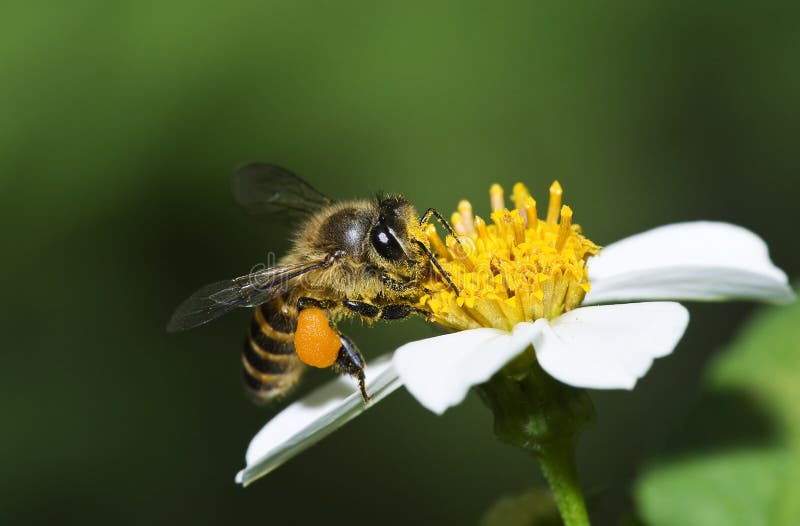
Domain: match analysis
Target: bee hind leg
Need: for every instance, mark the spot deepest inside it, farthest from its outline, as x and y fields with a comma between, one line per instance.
x=348, y=360
x=351, y=362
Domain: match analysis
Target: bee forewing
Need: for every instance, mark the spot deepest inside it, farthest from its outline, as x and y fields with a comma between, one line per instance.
x=207, y=304
x=216, y=299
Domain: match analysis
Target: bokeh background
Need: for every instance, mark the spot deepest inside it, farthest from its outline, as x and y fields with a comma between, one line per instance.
x=120, y=125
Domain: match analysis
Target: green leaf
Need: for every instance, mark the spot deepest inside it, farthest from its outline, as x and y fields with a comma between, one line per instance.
x=737, y=461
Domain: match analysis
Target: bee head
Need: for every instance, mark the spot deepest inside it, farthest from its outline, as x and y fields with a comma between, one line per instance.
x=390, y=237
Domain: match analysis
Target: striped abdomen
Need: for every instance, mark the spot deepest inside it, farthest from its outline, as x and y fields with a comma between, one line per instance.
x=271, y=366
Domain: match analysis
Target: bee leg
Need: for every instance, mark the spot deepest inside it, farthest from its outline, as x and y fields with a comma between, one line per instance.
x=306, y=302
x=396, y=311
x=362, y=308
x=433, y=212
x=348, y=360
x=438, y=265
x=351, y=362
x=396, y=285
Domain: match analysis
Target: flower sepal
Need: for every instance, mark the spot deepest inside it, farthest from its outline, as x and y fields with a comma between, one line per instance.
x=531, y=409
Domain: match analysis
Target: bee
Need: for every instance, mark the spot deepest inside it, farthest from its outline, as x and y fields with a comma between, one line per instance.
x=364, y=258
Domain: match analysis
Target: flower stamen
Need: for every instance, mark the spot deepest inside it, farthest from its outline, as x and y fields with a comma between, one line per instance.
x=436, y=242
x=458, y=224
x=531, y=216
x=496, y=196
x=554, y=206
x=520, y=196
x=519, y=268
x=465, y=210
x=565, y=227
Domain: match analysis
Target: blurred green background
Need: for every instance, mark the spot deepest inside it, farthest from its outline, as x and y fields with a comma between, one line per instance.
x=121, y=122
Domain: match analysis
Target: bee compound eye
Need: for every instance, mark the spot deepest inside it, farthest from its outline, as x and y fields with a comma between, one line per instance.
x=385, y=243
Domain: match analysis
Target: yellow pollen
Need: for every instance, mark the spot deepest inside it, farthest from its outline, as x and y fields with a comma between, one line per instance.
x=518, y=268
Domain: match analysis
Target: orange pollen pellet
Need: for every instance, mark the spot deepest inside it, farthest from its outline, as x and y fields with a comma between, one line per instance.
x=315, y=342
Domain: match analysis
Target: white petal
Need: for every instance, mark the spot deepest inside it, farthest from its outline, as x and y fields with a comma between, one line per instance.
x=687, y=261
x=439, y=371
x=307, y=421
x=608, y=346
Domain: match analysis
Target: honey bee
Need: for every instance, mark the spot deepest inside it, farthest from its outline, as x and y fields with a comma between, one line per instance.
x=362, y=258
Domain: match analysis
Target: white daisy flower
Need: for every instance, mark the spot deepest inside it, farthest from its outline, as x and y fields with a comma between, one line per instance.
x=595, y=318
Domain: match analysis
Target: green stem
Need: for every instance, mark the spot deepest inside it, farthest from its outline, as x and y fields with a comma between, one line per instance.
x=558, y=465
x=544, y=417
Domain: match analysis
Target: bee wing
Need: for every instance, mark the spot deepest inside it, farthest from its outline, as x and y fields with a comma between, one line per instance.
x=217, y=299
x=262, y=188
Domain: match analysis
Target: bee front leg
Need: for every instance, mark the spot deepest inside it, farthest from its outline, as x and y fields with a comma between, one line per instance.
x=395, y=311
x=433, y=212
x=395, y=284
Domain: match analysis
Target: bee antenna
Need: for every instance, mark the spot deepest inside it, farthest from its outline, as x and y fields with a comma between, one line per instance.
x=438, y=266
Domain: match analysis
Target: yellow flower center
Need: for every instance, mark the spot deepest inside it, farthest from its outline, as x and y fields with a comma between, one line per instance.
x=518, y=268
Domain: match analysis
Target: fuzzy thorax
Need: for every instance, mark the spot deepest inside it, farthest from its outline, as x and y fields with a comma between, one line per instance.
x=518, y=268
